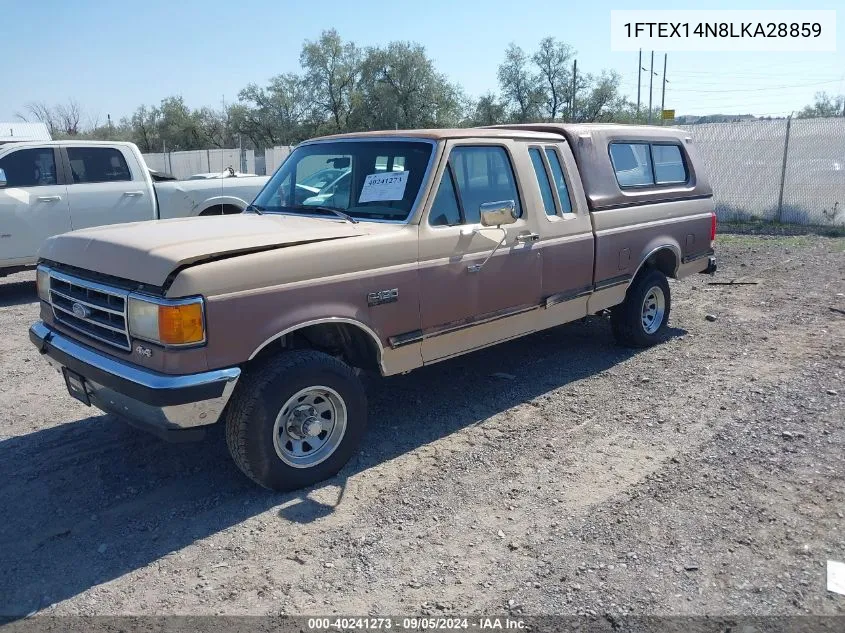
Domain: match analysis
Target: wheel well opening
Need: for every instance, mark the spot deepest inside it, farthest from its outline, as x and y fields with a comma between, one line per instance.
x=344, y=340
x=221, y=209
x=663, y=260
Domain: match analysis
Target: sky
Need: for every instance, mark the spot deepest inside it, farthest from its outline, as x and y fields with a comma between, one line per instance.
x=112, y=57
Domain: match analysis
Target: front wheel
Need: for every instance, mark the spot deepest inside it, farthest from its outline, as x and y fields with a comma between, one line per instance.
x=296, y=419
x=640, y=321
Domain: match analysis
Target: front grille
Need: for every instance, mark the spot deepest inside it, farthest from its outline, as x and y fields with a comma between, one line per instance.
x=93, y=309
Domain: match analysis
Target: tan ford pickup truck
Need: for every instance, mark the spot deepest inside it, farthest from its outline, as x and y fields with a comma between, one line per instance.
x=381, y=251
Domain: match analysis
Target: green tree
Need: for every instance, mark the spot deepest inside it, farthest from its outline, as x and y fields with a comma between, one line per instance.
x=400, y=88
x=332, y=68
x=179, y=127
x=281, y=114
x=553, y=61
x=600, y=98
x=487, y=110
x=144, y=124
x=824, y=105
x=520, y=88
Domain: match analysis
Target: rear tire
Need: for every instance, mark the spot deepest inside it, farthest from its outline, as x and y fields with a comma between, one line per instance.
x=640, y=321
x=296, y=419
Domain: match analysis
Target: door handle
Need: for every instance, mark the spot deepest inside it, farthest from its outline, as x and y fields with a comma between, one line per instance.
x=526, y=238
x=49, y=198
x=133, y=194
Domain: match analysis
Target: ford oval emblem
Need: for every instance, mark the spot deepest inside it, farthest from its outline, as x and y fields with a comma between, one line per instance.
x=80, y=311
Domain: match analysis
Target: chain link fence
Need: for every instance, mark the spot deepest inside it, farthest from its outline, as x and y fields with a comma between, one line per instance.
x=782, y=175
x=778, y=175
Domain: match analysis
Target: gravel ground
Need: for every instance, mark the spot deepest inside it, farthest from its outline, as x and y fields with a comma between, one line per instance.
x=703, y=476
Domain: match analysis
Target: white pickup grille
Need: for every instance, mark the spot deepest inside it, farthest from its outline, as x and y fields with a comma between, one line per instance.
x=91, y=308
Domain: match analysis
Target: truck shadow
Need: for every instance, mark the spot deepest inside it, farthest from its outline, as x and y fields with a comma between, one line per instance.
x=89, y=501
x=17, y=293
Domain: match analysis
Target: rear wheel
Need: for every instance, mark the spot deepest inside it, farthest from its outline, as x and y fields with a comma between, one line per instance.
x=640, y=321
x=296, y=419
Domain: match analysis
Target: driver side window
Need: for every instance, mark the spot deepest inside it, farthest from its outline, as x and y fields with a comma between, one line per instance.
x=473, y=176
x=30, y=167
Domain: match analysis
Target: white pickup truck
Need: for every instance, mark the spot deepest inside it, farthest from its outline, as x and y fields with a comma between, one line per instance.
x=51, y=187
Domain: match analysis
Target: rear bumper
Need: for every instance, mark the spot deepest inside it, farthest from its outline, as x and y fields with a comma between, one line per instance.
x=155, y=401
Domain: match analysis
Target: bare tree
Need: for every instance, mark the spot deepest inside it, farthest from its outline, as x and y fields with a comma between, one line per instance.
x=68, y=116
x=41, y=112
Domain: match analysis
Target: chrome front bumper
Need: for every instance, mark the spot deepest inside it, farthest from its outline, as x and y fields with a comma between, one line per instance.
x=158, y=402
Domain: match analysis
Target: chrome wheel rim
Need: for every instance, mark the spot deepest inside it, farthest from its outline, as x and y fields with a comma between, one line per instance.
x=654, y=308
x=310, y=426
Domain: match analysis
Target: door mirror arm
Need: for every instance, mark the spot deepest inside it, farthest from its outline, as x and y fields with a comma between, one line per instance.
x=474, y=268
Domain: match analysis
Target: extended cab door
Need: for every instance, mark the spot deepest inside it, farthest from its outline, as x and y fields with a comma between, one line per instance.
x=566, y=238
x=463, y=308
x=106, y=185
x=33, y=203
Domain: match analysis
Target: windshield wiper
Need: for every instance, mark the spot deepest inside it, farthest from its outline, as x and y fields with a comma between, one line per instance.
x=254, y=207
x=337, y=212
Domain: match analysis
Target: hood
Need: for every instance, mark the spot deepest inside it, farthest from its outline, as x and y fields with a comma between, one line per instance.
x=148, y=252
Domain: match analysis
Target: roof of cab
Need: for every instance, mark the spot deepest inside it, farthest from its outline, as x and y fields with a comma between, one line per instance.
x=544, y=131
x=575, y=130
x=447, y=133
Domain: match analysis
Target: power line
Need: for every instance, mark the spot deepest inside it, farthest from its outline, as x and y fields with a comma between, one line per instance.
x=787, y=87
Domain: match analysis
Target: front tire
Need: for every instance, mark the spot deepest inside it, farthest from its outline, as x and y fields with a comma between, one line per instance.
x=640, y=321
x=296, y=419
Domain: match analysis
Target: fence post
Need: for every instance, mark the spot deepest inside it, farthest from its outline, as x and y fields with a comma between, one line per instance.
x=783, y=169
x=208, y=159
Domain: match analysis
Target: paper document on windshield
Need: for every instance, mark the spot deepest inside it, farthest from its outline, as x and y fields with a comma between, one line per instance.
x=384, y=186
x=836, y=576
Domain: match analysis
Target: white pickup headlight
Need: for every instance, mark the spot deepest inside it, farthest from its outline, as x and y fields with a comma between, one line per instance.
x=42, y=283
x=179, y=322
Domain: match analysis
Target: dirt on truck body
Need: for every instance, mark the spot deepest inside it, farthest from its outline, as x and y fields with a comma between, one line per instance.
x=380, y=251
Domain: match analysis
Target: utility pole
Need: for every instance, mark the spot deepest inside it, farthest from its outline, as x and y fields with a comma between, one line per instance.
x=783, y=167
x=650, y=86
x=639, y=80
x=663, y=94
x=574, y=83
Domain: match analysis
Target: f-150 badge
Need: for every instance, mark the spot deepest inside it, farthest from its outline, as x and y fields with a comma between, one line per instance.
x=383, y=296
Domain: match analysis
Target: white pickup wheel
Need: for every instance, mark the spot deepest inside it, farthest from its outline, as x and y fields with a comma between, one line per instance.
x=296, y=419
x=640, y=321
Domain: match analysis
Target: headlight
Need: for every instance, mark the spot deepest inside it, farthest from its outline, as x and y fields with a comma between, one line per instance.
x=168, y=323
x=42, y=283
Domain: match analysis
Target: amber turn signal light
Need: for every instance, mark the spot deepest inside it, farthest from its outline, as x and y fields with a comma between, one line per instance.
x=180, y=324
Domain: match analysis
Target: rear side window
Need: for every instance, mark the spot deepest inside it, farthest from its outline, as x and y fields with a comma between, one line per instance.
x=543, y=180
x=668, y=164
x=632, y=164
x=648, y=164
x=483, y=174
x=97, y=164
x=560, y=181
x=30, y=167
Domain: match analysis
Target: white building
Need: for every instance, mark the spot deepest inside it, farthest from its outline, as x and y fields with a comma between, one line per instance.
x=21, y=131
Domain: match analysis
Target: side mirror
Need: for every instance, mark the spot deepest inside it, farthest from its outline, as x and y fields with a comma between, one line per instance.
x=498, y=213
x=3, y=181
x=495, y=214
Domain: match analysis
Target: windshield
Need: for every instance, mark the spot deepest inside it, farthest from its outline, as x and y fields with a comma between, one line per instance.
x=368, y=180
